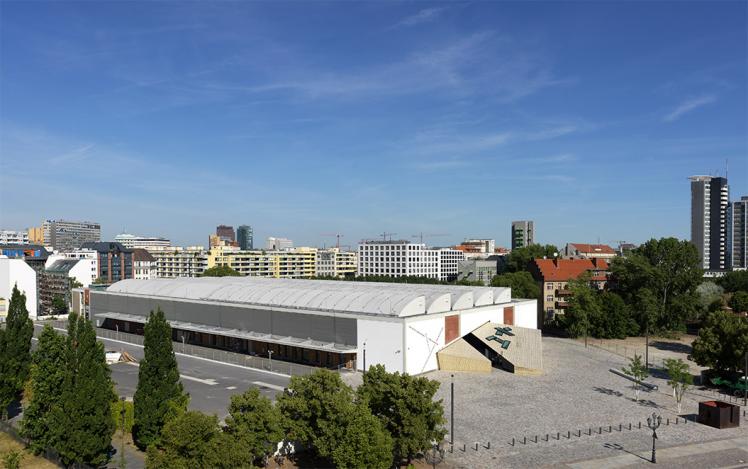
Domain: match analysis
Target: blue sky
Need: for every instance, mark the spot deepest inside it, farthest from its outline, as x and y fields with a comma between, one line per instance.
x=305, y=118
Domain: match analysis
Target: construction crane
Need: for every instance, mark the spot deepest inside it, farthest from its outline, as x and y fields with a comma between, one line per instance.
x=337, y=238
x=421, y=235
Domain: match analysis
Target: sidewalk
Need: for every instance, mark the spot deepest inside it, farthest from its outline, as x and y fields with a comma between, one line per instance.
x=713, y=454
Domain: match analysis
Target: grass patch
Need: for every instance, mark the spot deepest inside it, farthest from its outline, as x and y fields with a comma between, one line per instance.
x=8, y=444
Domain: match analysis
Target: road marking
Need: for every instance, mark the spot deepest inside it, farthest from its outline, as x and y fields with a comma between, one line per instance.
x=268, y=385
x=230, y=387
x=208, y=381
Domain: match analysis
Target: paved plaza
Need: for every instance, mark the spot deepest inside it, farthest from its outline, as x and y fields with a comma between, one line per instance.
x=576, y=395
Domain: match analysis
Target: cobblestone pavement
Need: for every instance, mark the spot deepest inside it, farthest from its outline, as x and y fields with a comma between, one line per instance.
x=576, y=395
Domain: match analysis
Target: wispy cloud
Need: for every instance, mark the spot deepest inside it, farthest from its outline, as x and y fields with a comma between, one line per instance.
x=688, y=106
x=423, y=16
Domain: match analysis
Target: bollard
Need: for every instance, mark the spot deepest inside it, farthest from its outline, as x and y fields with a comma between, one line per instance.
x=640, y=425
x=546, y=437
x=525, y=442
x=464, y=447
x=512, y=441
x=536, y=438
x=476, y=446
x=668, y=421
x=620, y=427
x=558, y=436
x=568, y=435
x=488, y=445
x=610, y=428
x=629, y=425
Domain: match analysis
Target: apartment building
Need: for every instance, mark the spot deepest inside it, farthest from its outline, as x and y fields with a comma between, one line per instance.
x=14, y=237
x=65, y=235
x=336, y=263
x=180, y=262
x=295, y=263
x=739, y=232
x=553, y=275
x=523, y=233
x=589, y=251
x=14, y=271
x=710, y=202
x=144, y=264
x=130, y=241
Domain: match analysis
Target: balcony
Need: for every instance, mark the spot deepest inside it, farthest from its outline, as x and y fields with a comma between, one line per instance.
x=562, y=304
x=563, y=292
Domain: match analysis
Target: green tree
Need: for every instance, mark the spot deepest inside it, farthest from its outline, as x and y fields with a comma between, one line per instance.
x=59, y=306
x=82, y=420
x=365, y=443
x=615, y=320
x=519, y=259
x=680, y=378
x=707, y=294
x=737, y=280
x=722, y=342
x=584, y=308
x=48, y=372
x=255, y=424
x=521, y=283
x=159, y=388
x=193, y=440
x=739, y=302
x=637, y=370
x=406, y=406
x=316, y=409
x=220, y=271
x=670, y=269
x=15, y=350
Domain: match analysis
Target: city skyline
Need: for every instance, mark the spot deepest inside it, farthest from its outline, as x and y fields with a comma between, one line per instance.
x=407, y=118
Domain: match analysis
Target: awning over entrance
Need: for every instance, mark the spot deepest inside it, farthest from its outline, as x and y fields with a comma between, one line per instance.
x=239, y=334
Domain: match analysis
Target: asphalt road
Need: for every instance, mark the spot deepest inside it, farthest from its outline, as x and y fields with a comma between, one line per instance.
x=209, y=383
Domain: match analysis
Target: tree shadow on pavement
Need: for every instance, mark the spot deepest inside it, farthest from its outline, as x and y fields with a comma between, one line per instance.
x=608, y=391
x=672, y=347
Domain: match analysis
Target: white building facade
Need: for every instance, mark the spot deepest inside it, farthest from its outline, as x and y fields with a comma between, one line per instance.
x=278, y=244
x=403, y=258
x=17, y=272
x=180, y=261
x=130, y=241
x=14, y=237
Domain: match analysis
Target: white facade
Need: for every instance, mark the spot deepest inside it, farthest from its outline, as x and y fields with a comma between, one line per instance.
x=85, y=270
x=14, y=237
x=398, y=259
x=16, y=272
x=449, y=263
x=90, y=255
x=130, y=241
x=278, y=244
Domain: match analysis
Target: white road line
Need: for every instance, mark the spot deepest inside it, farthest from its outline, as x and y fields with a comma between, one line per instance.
x=208, y=381
x=268, y=385
x=230, y=388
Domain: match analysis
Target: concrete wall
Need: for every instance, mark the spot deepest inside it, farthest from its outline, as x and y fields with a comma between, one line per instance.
x=424, y=336
x=384, y=344
x=471, y=321
x=16, y=271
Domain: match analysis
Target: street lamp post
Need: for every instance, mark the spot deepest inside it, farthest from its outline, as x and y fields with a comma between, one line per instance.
x=452, y=415
x=435, y=455
x=270, y=355
x=653, y=423
x=364, y=357
x=117, y=327
x=182, y=343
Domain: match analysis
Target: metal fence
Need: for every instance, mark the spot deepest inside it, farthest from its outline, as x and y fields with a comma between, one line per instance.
x=223, y=356
x=48, y=454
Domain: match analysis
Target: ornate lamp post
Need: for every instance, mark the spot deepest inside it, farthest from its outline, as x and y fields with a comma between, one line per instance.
x=653, y=423
x=434, y=456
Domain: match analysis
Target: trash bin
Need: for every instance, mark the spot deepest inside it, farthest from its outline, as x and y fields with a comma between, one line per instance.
x=719, y=414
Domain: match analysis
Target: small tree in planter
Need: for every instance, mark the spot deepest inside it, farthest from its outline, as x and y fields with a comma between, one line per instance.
x=680, y=378
x=638, y=370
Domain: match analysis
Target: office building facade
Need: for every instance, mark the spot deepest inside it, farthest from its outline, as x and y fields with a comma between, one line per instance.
x=523, y=233
x=226, y=233
x=710, y=202
x=65, y=235
x=275, y=244
x=115, y=263
x=245, y=237
x=739, y=230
